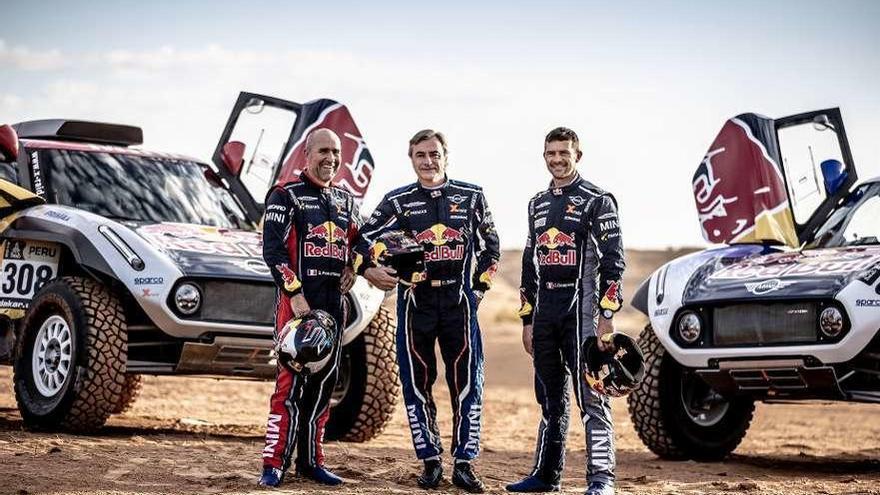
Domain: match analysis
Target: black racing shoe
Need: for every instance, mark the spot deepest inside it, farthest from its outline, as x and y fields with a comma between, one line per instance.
x=532, y=484
x=464, y=477
x=432, y=475
x=600, y=488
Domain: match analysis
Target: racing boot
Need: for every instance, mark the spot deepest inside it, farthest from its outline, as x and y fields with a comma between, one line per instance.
x=464, y=477
x=599, y=488
x=432, y=474
x=319, y=474
x=532, y=484
x=271, y=477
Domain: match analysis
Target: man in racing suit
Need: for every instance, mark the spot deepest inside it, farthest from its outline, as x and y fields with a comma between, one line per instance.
x=571, y=273
x=309, y=228
x=452, y=222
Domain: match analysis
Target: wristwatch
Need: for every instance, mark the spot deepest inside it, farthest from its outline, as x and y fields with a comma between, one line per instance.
x=607, y=314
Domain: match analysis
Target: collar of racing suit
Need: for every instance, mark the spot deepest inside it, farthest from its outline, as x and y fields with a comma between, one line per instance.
x=439, y=187
x=566, y=188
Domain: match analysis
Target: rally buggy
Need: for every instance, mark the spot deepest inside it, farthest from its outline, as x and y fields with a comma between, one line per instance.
x=789, y=309
x=151, y=263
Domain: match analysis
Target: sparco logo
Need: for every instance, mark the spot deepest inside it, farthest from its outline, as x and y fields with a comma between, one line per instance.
x=768, y=286
x=868, y=303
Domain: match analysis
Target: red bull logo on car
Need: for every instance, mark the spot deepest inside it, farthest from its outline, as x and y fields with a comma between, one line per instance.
x=551, y=239
x=332, y=235
x=739, y=189
x=439, y=235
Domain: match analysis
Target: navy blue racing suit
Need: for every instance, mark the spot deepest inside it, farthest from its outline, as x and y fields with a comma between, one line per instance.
x=572, y=266
x=453, y=224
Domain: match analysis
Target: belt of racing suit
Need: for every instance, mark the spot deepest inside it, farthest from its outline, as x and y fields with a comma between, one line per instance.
x=572, y=267
x=307, y=235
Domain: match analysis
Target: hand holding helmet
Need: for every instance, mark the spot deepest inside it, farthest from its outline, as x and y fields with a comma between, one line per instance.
x=306, y=344
x=402, y=254
x=615, y=372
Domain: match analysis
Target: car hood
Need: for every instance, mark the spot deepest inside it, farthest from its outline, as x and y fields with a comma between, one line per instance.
x=204, y=251
x=794, y=274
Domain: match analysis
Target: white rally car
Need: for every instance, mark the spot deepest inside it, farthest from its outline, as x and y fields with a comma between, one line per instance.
x=143, y=262
x=787, y=308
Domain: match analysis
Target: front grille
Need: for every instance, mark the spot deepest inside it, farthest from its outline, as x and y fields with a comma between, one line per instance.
x=239, y=302
x=760, y=324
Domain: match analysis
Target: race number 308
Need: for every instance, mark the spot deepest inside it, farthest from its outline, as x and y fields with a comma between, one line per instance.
x=27, y=266
x=24, y=279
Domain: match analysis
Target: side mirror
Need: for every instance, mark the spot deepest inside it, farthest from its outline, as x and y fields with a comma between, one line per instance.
x=233, y=156
x=821, y=123
x=212, y=177
x=8, y=144
x=834, y=175
x=254, y=105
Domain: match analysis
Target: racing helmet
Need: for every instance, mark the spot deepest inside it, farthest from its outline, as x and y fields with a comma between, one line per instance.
x=306, y=344
x=401, y=252
x=616, y=372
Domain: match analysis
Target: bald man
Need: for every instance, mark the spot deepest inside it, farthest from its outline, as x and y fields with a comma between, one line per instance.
x=309, y=260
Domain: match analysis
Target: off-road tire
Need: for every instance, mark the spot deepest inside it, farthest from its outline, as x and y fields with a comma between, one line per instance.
x=373, y=385
x=130, y=392
x=660, y=418
x=95, y=382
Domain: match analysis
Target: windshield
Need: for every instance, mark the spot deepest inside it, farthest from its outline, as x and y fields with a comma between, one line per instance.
x=855, y=222
x=138, y=188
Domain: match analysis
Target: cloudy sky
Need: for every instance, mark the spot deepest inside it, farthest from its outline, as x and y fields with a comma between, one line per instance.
x=647, y=85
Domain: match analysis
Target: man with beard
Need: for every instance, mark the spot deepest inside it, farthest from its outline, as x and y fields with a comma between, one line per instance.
x=309, y=228
x=572, y=268
x=451, y=220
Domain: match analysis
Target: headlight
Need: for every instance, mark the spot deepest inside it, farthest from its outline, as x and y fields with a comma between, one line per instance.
x=689, y=327
x=831, y=322
x=187, y=298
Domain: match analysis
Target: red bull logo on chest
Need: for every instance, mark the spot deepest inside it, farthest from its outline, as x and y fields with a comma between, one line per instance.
x=333, y=236
x=551, y=239
x=439, y=235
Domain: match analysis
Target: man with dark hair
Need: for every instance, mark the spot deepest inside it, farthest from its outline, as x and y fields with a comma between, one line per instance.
x=572, y=268
x=308, y=231
x=452, y=222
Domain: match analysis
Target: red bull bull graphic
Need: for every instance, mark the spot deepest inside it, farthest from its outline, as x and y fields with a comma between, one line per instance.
x=332, y=235
x=611, y=298
x=739, y=188
x=487, y=276
x=291, y=281
x=552, y=239
x=356, y=168
x=439, y=235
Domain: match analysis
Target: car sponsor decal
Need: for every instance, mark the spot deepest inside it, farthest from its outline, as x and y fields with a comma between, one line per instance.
x=357, y=165
x=203, y=239
x=767, y=286
x=739, y=189
x=149, y=280
x=868, y=303
x=796, y=264
x=26, y=267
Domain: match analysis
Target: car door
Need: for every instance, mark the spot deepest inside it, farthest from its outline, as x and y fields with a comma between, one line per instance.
x=773, y=180
x=817, y=165
x=263, y=144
